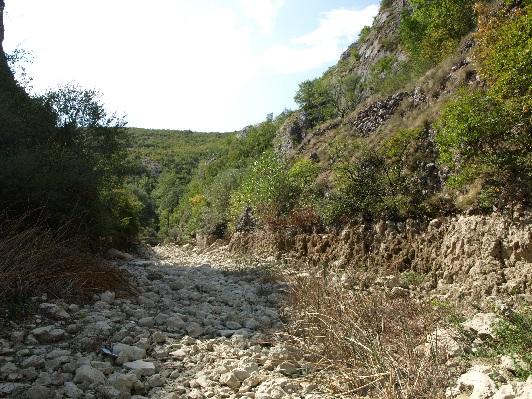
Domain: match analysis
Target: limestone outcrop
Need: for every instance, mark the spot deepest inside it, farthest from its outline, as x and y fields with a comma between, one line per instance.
x=467, y=255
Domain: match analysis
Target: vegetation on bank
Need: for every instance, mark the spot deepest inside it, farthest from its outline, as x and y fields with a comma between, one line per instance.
x=67, y=155
x=461, y=157
x=62, y=195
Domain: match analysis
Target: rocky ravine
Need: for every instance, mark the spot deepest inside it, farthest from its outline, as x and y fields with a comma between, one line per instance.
x=204, y=325
x=194, y=331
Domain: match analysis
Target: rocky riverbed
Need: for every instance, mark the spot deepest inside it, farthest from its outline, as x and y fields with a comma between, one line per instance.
x=195, y=330
x=203, y=324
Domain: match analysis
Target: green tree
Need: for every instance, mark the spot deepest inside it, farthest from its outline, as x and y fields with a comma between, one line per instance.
x=315, y=100
x=435, y=27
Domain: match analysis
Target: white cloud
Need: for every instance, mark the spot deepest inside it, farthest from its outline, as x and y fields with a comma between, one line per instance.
x=173, y=64
x=336, y=30
x=262, y=12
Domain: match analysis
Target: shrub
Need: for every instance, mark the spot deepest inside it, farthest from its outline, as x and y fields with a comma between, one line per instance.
x=365, y=343
x=504, y=52
x=514, y=338
x=37, y=260
x=302, y=175
x=119, y=216
x=62, y=153
x=345, y=93
x=364, y=33
x=360, y=185
x=434, y=28
x=386, y=3
x=265, y=188
x=215, y=218
x=386, y=180
x=315, y=100
x=478, y=137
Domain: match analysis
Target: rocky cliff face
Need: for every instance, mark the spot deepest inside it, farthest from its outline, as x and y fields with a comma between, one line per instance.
x=380, y=41
x=464, y=256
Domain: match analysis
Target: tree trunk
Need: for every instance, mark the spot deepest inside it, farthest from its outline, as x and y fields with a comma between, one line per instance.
x=2, y=5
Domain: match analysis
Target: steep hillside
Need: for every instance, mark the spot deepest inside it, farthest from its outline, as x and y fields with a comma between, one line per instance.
x=420, y=118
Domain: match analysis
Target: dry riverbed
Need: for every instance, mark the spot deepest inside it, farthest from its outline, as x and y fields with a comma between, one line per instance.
x=204, y=324
x=195, y=330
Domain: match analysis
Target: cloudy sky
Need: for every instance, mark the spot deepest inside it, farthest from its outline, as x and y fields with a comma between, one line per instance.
x=205, y=65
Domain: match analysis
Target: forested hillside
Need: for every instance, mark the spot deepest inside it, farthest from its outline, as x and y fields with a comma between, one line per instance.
x=165, y=162
x=427, y=114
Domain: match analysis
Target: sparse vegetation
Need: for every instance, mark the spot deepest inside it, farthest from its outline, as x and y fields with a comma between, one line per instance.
x=365, y=344
x=39, y=260
x=514, y=338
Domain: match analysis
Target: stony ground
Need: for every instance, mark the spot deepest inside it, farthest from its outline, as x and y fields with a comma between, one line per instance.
x=196, y=330
x=203, y=325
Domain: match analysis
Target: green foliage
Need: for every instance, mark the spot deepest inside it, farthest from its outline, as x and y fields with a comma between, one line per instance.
x=333, y=95
x=119, y=216
x=345, y=93
x=412, y=278
x=167, y=162
x=450, y=313
x=204, y=195
x=386, y=3
x=360, y=184
x=216, y=217
x=504, y=53
x=484, y=135
x=364, y=33
x=479, y=137
x=383, y=74
x=434, y=28
x=265, y=188
x=384, y=66
x=64, y=154
x=316, y=101
x=383, y=182
x=514, y=338
x=303, y=174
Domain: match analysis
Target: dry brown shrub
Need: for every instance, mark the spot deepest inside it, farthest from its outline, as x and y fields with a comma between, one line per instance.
x=37, y=260
x=364, y=344
x=304, y=220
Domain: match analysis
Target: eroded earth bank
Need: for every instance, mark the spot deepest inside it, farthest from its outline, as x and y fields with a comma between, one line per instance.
x=207, y=324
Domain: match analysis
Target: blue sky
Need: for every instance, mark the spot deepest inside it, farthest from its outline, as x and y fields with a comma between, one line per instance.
x=203, y=65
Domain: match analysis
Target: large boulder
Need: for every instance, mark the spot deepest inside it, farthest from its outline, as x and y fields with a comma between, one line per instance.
x=482, y=325
x=48, y=334
x=290, y=134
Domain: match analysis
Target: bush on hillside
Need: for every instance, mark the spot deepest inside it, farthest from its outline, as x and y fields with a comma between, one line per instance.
x=265, y=188
x=64, y=154
x=484, y=134
x=388, y=180
x=434, y=28
x=316, y=101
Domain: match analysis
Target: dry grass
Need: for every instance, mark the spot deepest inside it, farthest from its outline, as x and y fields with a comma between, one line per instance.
x=37, y=260
x=364, y=344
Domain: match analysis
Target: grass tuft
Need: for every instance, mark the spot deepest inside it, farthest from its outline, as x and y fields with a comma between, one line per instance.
x=37, y=261
x=366, y=344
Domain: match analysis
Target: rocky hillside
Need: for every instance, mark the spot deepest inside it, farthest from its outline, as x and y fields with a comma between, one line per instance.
x=471, y=257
